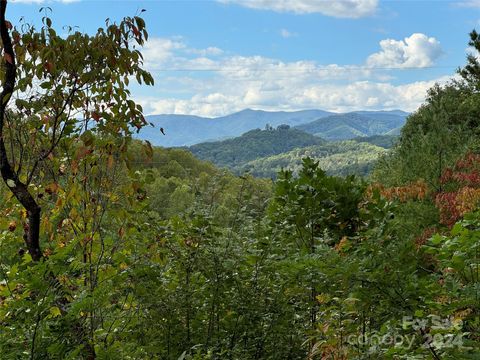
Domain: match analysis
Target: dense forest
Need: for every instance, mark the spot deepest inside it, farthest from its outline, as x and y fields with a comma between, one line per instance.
x=114, y=249
x=254, y=144
x=356, y=124
x=264, y=153
x=335, y=158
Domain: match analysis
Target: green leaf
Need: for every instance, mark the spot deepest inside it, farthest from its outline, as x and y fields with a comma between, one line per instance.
x=6, y=98
x=436, y=239
x=13, y=271
x=27, y=258
x=457, y=229
x=55, y=311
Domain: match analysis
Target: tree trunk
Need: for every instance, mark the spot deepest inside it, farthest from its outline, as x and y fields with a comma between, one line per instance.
x=19, y=189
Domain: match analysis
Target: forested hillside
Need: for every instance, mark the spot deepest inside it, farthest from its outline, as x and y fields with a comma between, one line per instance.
x=178, y=184
x=112, y=248
x=385, y=141
x=336, y=158
x=263, y=153
x=355, y=124
x=233, y=153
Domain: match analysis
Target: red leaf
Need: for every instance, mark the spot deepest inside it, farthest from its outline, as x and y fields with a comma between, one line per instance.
x=48, y=66
x=135, y=31
x=95, y=116
x=8, y=58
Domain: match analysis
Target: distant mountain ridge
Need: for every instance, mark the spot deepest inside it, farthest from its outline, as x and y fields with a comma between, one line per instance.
x=356, y=124
x=186, y=130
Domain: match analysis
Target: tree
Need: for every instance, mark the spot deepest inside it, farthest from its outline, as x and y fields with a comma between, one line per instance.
x=316, y=210
x=444, y=128
x=471, y=72
x=65, y=92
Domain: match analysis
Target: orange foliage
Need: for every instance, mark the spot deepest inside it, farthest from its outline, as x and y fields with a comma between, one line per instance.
x=341, y=245
x=414, y=191
x=463, y=179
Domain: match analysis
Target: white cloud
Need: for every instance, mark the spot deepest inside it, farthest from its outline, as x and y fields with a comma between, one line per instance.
x=214, y=83
x=262, y=69
x=335, y=8
x=159, y=50
x=287, y=34
x=469, y=3
x=210, y=105
x=369, y=95
x=362, y=95
x=418, y=50
x=211, y=50
x=173, y=53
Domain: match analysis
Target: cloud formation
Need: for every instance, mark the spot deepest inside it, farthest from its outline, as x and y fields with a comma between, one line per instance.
x=333, y=97
x=159, y=50
x=335, y=8
x=212, y=83
x=416, y=51
x=287, y=34
x=469, y=3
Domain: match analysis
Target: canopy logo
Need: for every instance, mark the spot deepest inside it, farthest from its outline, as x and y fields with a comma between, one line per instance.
x=430, y=332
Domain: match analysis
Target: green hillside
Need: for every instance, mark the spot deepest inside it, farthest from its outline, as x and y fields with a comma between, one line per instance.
x=233, y=153
x=384, y=141
x=336, y=158
x=351, y=125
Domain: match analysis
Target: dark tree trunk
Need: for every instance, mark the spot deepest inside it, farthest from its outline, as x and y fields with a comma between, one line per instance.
x=19, y=189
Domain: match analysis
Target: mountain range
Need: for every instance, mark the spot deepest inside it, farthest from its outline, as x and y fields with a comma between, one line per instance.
x=187, y=130
x=356, y=124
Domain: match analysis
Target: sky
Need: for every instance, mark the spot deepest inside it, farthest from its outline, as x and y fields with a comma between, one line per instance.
x=215, y=57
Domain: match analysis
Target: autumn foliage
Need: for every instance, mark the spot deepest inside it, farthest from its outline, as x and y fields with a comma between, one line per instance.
x=417, y=190
x=460, y=192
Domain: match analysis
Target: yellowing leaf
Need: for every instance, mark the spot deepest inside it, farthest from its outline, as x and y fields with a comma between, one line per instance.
x=110, y=161
x=322, y=298
x=55, y=311
x=52, y=188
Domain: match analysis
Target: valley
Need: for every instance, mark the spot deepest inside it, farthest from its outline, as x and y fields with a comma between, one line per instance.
x=343, y=144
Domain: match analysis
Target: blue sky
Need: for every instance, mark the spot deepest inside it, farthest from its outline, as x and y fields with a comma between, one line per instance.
x=214, y=57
